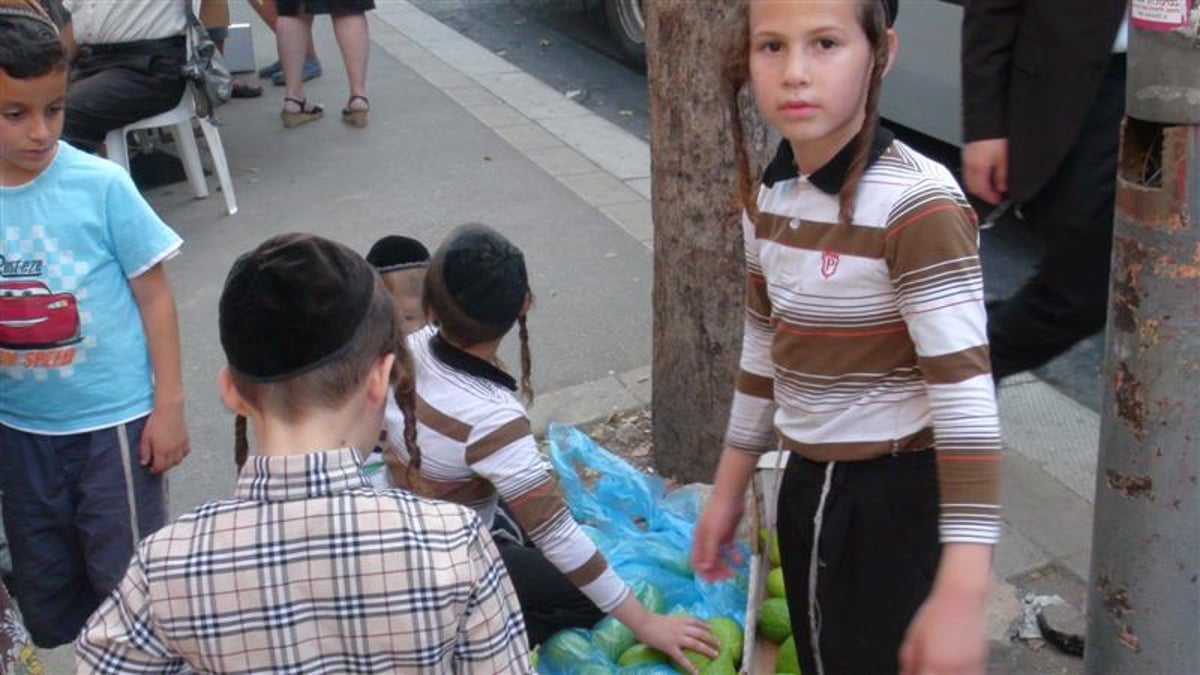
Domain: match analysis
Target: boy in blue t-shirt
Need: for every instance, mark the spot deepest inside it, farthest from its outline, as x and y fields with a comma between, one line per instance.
x=91, y=399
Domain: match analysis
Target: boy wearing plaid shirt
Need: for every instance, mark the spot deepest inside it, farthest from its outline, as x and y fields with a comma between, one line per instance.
x=307, y=569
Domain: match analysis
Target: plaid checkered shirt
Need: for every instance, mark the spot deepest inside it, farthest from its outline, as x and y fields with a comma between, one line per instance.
x=309, y=570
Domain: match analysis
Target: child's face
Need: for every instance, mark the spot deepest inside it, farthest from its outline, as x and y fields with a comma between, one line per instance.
x=31, y=120
x=405, y=288
x=810, y=67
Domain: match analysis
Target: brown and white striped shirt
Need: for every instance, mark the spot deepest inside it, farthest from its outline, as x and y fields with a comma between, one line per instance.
x=870, y=338
x=477, y=447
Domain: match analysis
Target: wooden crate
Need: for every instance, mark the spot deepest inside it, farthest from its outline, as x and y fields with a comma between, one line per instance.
x=758, y=655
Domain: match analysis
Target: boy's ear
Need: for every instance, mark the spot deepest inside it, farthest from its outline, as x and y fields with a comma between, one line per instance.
x=230, y=397
x=379, y=379
x=893, y=40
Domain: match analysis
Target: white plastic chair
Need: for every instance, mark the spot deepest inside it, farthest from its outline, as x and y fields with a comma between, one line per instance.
x=180, y=119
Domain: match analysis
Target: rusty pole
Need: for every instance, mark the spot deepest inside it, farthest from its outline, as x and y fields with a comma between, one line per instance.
x=1144, y=590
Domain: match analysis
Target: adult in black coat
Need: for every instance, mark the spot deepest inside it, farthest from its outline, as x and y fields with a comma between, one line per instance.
x=1043, y=98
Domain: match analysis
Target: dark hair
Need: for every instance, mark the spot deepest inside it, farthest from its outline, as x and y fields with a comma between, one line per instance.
x=873, y=17
x=460, y=327
x=29, y=47
x=331, y=384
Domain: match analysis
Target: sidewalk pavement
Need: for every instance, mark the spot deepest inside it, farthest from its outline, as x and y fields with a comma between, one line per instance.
x=457, y=134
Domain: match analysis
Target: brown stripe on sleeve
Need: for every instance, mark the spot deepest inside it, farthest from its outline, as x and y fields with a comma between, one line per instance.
x=441, y=422
x=932, y=231
x=589, y=571
x=956, y=367
x=854, y=240
x=538, y=506
x=969, y=478
x=503, y=435
x=755, y=385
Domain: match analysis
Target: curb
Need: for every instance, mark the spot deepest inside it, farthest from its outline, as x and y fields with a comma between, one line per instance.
x=603, y=164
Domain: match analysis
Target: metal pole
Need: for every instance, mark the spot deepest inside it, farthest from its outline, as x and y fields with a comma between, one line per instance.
x=1144, y=590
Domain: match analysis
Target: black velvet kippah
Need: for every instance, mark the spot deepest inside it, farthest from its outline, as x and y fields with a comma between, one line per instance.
x=485, y=274
x=893, y=8
x=291, y=305
x=395, y=252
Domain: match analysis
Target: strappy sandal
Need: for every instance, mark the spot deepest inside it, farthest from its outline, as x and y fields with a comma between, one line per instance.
x=356, y=117
x=307, y=113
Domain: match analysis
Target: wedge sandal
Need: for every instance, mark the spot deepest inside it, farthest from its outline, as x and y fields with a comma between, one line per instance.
x=356, y=117
x=307, y=112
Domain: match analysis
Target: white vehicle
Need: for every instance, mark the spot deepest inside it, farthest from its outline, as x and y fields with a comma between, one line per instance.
x=923, y=92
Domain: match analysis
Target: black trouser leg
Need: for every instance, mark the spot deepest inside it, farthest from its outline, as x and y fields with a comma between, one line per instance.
x=1067, y=298
x=878, y=555
x=549, y=601
x=110, y=90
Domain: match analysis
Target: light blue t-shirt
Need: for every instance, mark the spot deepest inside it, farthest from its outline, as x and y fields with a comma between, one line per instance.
x=73, y=354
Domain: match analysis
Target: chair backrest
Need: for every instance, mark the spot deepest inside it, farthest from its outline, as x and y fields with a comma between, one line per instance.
x=195, y=5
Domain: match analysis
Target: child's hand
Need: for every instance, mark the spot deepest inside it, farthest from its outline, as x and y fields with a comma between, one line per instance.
x=946, y=637
x=713, y=547
x=165, y=438
x=672, y=634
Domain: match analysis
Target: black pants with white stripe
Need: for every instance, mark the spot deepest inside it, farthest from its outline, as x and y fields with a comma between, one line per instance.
x=879, y=553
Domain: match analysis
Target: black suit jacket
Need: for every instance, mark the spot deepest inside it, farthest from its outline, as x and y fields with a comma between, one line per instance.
x=1031, y=70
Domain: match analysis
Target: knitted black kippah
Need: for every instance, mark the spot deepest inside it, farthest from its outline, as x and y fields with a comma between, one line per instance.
x=395, y=252
x=484, y=274
x=292, y=305
x=893, y=8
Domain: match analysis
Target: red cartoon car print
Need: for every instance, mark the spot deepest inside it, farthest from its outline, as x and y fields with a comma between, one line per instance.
x=31, y=317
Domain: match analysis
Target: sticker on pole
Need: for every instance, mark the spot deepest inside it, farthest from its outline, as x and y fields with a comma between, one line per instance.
x=1160, y=14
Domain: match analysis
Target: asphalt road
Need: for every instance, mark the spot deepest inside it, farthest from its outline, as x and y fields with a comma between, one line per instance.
x=565, y=44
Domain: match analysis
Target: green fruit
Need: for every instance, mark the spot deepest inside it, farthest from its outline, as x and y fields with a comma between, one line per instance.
x=774, y=622
x=612, y=637
x=651, y=597
x=764, y=538
x=698, y=660
x=640, y=654
x=533, y=658
x=722, y=666
x=729, y=636
x=775, y=587
x=786, y=660
x=773, y=550
x=567, y=648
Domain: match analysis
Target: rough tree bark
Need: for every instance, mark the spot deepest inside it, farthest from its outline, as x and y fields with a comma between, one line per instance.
x=698, y=282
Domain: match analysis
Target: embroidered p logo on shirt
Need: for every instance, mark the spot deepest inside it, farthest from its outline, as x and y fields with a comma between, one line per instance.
x=829, y=263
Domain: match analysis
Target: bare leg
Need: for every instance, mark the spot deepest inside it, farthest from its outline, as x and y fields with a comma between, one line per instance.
x=267, y=12
x=355, y=43
x=291, y=36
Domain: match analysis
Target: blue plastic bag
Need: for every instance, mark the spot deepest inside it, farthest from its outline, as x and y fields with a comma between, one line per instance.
x=644, y=533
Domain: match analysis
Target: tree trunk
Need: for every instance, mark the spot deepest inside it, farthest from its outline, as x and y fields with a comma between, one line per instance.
x=698, y=264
